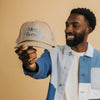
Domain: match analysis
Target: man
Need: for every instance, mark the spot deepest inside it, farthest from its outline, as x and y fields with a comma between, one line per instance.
x=75, y=67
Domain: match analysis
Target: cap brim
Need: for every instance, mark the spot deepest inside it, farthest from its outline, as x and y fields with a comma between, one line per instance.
x=36, y=44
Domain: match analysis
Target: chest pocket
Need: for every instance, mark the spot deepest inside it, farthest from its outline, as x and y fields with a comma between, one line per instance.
x=95, y=78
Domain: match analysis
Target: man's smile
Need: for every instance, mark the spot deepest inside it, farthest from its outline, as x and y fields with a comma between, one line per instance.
x=70, y=37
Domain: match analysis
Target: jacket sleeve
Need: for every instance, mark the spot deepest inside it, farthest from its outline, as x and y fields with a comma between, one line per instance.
x=44, y=67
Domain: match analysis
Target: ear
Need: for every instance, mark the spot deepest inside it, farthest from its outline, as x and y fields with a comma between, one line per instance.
x=89, y=30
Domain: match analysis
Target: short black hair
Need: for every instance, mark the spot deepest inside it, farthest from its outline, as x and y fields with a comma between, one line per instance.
x=89, y=15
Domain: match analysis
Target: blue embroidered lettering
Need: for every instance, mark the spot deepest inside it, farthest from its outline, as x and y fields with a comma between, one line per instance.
x=33, y=32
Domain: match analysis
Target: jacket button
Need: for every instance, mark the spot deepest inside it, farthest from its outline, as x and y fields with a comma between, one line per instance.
x=65, y=67
x=82, y=74
x=83, y=59
x=60, y=84
x=70, y=53
x=81, y=91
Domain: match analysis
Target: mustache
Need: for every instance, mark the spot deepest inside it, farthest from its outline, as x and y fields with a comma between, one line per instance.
x=69, y=33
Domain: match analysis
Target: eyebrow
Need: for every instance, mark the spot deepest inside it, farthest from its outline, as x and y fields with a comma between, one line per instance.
x=72, y=22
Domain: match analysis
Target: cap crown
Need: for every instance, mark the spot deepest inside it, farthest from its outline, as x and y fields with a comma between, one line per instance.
x=36, y=31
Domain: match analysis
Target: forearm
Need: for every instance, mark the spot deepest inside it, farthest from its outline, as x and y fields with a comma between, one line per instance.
x=43, y=67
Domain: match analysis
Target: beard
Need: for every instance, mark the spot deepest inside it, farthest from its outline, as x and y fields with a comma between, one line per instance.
x=76, y=40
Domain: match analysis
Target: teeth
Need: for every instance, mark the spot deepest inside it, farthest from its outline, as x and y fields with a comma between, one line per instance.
x=70, y=36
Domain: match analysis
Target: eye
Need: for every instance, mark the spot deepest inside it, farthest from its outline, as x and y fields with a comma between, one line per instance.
x=76, y=25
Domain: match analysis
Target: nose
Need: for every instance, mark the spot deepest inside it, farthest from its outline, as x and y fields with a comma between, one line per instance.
x=69, y=29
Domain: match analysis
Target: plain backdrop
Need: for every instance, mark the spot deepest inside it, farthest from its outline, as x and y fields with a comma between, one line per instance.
x=14, y=85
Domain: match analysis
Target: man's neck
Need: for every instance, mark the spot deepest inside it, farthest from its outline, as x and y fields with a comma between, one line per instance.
x=82, y=47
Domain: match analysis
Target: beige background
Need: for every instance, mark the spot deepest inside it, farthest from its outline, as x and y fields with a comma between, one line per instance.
x=14, y=85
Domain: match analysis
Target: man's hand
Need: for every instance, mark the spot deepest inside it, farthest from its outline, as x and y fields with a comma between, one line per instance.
x=27, y=56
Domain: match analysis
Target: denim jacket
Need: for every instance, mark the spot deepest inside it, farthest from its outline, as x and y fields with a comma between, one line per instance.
x=57, y=63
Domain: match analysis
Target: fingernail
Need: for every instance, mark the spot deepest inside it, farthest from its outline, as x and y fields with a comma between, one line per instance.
x=25, y=48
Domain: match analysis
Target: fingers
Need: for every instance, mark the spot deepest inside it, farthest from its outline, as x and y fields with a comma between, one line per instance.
x=31, y=61
x=27, y=56
x=31, y=47
x=20, y=49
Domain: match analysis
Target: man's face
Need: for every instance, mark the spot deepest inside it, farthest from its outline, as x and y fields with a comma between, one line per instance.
x=76, y=27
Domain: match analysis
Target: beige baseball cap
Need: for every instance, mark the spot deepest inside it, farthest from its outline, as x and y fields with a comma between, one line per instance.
x=36, y=34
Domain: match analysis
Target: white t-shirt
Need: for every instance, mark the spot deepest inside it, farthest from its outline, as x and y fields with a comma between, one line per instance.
x=71, y=88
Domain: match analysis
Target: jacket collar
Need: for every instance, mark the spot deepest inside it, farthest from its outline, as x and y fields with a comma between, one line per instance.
x=88, y=53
